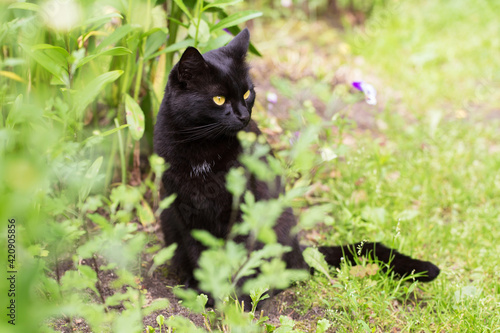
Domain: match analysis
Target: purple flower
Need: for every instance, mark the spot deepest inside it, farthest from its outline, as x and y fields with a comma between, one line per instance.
x=357, y=85
x=272, y=97
x=368, y=90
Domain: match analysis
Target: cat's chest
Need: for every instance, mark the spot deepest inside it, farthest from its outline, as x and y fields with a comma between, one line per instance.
x=205, y=176
x=203, y=169
x=201, y=178
x=201, y=187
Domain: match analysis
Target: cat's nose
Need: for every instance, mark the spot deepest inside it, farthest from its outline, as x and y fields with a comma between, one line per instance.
x=244, y=117
x=242, y=114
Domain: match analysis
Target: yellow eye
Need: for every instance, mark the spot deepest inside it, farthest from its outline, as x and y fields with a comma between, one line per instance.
x=247, y=94
x=219, y=100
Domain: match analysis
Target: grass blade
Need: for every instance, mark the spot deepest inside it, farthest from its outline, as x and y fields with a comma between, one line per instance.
x=236, y=19
x=89, y=93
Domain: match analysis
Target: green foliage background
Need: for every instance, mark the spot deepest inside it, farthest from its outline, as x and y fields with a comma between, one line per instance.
x=80, y=86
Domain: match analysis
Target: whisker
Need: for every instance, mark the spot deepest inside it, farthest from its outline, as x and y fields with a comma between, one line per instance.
x=200, y=132
x=195, y=129
x=201, y=127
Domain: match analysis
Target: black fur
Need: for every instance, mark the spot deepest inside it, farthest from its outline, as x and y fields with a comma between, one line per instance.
x=197, y=138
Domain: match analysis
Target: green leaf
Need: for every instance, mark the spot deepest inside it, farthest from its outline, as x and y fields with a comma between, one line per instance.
x=84, y=278
x=284, y=320
x=146, y=215
x=191, y=299
x=135, y=117
x=165, y=203
x=178, y=22
x=115, y=51
x=287, y=325
x=257, y=258
x=316, y=260
x=221, y=4
x=258, y=167
x=236, y=181
x=174, y=47
x=314, y=215
x=261, y=216
x=377, y=215
x=114, y=130
x=153, y=31
x=207, y=238
x=215, y=43
x=130, y=319
x=89, y=178
x=322, y=325
x=51, y=60
x=100, y=220
x=158, y=165
x=162, y=257
x=101, y=135
x=25, y=6
x=155, y=40
x=302, y=155
x=88, y=272
x=467, y=292
x=155, y=305
x=104, y=18
x=365, y=325
x=236, y=19
x=275, y=275
x=183, y=325
x=183, y=7
x=89, y=93
x=214, y=272
x=203, y=31
x=257, y=295
x=51, y=47
x=117, y=35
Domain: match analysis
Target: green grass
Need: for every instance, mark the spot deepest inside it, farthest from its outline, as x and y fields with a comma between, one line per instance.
x=423, y=178
x=438, y=54
x=434, y=198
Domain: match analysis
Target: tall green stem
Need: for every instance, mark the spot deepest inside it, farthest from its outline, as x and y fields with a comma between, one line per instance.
x=175, y=13
x=122, y=154
x=197, y=18
x=138, y=78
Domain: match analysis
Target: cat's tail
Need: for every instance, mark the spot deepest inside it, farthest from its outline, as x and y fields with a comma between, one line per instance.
x=400, y=264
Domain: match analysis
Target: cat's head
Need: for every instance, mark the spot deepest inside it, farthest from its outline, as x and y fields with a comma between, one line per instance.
x=212, y=92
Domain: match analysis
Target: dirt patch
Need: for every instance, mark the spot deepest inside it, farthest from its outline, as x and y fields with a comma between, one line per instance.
x=159, y=285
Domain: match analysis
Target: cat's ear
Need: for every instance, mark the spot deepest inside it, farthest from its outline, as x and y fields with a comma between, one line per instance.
x=239, y=45
x=191, y=64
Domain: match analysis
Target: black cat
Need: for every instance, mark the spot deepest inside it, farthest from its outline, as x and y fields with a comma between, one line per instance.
x=208, y=100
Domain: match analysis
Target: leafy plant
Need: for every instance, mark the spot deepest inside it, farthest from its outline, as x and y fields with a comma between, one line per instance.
x=80, y=85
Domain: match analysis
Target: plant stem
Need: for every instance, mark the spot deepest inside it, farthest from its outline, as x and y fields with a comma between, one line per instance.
x=140, y=65
x=122, y=154
x=138, y=78
x=111, y=165
x=175, y=13
x=199, y=4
